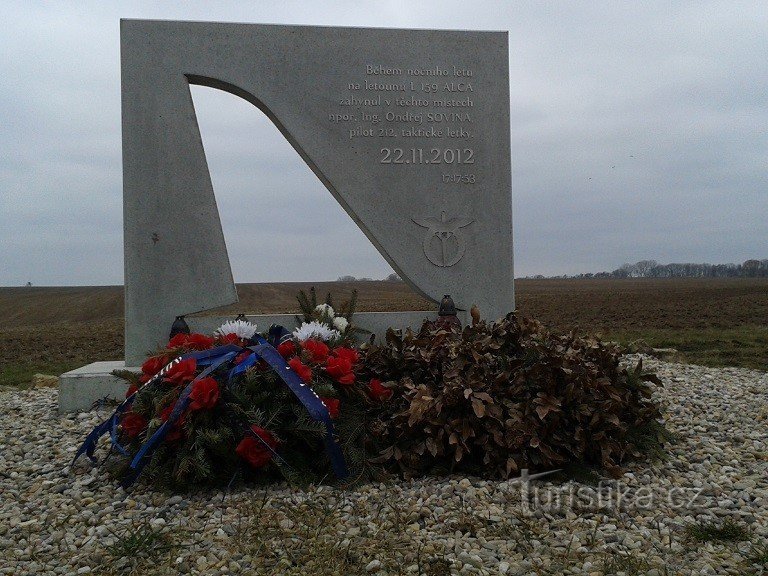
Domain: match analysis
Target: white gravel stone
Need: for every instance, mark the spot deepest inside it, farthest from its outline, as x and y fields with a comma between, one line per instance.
x=57, y=520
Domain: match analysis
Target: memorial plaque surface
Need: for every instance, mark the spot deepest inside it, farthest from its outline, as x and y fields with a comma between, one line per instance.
x=408, y=129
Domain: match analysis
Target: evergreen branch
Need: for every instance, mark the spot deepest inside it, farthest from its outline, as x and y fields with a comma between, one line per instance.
x=351, y=306
x=304, y=305
x=308, y=426
x=273, y=417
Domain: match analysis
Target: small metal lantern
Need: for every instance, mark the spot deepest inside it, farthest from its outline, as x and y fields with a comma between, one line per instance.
x=446, y=315
x=179, y=326
x=447, y=307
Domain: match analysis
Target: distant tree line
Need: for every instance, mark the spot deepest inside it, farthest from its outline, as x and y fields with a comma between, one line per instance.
x=652, y=269
x=391, y=278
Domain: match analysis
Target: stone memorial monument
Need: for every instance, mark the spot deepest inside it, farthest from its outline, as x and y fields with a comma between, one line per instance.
x=407, y=129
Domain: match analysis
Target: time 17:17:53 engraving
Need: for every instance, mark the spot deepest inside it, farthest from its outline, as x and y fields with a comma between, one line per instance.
x=427, y=156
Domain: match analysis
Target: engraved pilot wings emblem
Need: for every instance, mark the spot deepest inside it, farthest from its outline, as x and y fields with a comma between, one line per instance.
x=443, y=244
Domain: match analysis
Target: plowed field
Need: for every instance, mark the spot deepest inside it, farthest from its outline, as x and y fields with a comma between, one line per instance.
x=710, y=321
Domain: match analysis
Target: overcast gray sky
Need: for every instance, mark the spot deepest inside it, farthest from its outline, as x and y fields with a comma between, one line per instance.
x=639, y=131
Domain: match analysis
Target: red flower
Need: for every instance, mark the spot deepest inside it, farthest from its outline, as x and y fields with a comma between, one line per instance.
x=176, y=433
x=304, y=372
x=230, y=338
x=317, y=349
x=153, y=365
x=133, y=424
x=242, y=357
x=166, y=413
x=253, y=450
x=181, y=372
x=347, y=353
x=340, y=369
x=333, y=406
x=178, y=341
x=192, y=341
x=204, y=394
x=199, y=342
x=377, y=391
x=131, y=389
x=287, y=349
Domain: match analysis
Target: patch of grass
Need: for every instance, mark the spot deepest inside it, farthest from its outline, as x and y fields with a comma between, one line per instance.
x=437, y=566
x=323, y=534
x=20, y=375
x=140, y=548
x=745, y=346
x=298, y=537
x=725, y=531
x=629, y=565
x=466, y=521
x=518, y=527
x=56, y=348
x=758, y=555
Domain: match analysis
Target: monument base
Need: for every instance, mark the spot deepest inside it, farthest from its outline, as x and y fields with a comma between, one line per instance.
x=374, y=322
x=80, y=388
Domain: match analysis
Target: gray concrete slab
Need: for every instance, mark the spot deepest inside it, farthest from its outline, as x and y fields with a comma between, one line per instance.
x=375, y=322
x=80, y=388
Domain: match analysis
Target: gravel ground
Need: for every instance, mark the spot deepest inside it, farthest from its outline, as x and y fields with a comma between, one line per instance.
x=54, y=520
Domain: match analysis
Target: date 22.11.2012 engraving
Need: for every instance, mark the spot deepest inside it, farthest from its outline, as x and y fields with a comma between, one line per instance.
x=427, y=156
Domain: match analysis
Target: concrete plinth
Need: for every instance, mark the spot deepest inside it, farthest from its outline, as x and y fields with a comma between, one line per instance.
x=374, y=322
x=80, y=388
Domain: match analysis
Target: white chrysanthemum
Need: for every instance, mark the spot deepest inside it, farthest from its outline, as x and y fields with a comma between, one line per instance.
x=340, y=323
x=316, y=330
x=325, y=310
x=241, y=328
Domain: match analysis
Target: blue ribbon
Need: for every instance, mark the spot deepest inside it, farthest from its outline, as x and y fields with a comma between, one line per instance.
x=88, y=447
x=110, y=425
x=144, y=453
x=114, y=423
x=277, y=335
